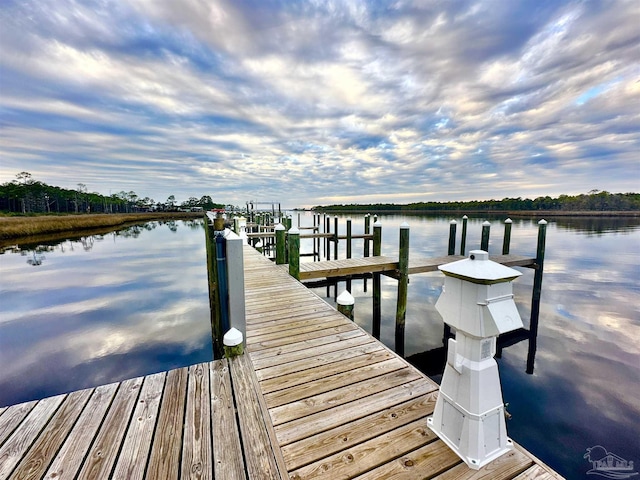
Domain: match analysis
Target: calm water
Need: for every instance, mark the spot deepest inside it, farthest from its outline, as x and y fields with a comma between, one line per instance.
x=101, y=309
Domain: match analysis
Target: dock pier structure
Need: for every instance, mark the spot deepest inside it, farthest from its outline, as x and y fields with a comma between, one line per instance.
x=313, y=396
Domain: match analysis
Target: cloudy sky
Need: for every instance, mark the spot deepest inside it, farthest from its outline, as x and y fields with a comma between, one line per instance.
x=314, y=102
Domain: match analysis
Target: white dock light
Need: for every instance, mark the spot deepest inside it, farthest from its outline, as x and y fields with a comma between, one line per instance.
x=476, y=300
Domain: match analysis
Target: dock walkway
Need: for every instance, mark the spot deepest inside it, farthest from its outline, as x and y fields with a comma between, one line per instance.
x=315, y=397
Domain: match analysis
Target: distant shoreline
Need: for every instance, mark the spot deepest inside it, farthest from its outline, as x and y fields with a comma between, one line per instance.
x=509, y=213
x=27, y=228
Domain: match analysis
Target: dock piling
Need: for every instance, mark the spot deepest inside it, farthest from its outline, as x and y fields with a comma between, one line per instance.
x=403, y=284
x=294, y=253
x=484, y=244
x=345, y=302
x=507, y=236
x=377, y=243
x=463, y=240
x=280, y=244
x=452, y=237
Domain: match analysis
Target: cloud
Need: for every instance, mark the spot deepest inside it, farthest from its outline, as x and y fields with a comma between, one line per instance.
x=305, y=101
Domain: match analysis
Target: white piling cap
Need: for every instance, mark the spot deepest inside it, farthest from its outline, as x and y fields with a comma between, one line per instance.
x=453, y=222
x=232, y=338
x=294, y=231
x=404, y=225
x=280, y=227
x=508, y=220
x=259, y=244
x=345, y=298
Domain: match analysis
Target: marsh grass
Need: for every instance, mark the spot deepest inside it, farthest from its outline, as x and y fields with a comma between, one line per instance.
x=26, y=226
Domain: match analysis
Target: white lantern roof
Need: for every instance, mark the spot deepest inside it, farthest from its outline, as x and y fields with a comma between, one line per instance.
x=479, y=269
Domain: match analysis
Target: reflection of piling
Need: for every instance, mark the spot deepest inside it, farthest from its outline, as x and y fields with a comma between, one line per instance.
x=377, y=243
x=403, y=284
x=535, y=298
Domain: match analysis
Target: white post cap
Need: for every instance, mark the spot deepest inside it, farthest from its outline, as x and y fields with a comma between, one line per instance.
x=345, y=298
x=232, y=338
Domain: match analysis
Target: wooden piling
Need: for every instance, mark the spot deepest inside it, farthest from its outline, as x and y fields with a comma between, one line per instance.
x=367, y=229
x=535, y=298
x=348, y=238
x=294, y=253
x=214, y=304
x=403, y=284
x=327, y=243
x=463, y=239
x=345, y=303
x=484, y=243
x=452, y=237
x=335, y=237
x=507, y=236
x=377, y=244
x=281, y=256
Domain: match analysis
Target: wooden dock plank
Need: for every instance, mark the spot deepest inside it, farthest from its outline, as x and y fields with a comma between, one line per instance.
x=12, y=417
x=301, y=354
x=324, y=384
x=304, y=337
x=305, y=344
x=321, y=445
x=69, y=458
x=536, y=472
x=132, y=460
x=106, y=445
x=227, y=451
x=259, y=455
x=503, y=468
x=34, y=464
x=164, y=459
x=25, y=434
x=306, y=407
x=424, y=462
x=304, y=427
x=197, y=456
x=345, y=364
x=368, y=455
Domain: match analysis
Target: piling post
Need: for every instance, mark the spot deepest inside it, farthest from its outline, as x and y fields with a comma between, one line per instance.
x=452, y=237
x=294, y=253
x=535, y=299
x=335, y=237
x=236, y=225
x=348, y=238
x=403, y=284
x=507, y=236
x=367, y=225
x=345, y=302
x=463, y=240
x=280, y=244
x=377, y=244
x=484, y=243
x=327, y=243
x=214, y=304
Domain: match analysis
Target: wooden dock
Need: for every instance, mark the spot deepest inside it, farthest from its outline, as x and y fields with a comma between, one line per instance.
x=388, y=265
x=314, y=397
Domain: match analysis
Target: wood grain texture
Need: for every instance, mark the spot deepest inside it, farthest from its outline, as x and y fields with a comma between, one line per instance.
x=196, y=446
x=227, y=451
x=104, y=450
x=164, y=460
x=69, y=458
x=25, y=434
x=132, y=461
x=12, y=417
x=505, y=467
x=34, y=464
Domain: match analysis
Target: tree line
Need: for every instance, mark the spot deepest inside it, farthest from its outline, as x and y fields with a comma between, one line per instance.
x=26, y=195
x=595, y=200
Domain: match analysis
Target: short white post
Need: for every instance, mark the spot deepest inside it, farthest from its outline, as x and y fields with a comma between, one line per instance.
x=233, y=342
x=346, y=303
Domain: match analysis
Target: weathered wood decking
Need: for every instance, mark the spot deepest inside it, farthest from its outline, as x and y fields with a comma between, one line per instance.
x=315, y=397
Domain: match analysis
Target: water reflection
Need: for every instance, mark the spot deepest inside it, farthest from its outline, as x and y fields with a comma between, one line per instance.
x=102, y=308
